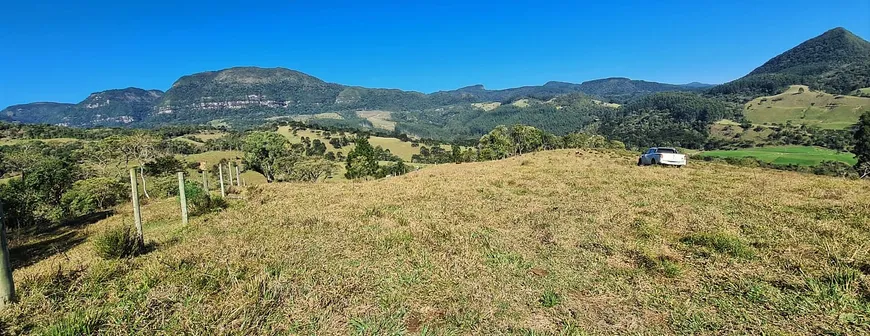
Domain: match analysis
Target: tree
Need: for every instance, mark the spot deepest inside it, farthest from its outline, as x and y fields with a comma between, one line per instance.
x=362, y=160
x=93, y=194
x=164, y=165
x=263, y=151
x=312, y=169
x=862, y=145
x=145, y=148
x=526, y=138
x=497, y=144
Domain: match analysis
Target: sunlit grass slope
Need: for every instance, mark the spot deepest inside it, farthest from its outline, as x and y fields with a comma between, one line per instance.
x=551, y=242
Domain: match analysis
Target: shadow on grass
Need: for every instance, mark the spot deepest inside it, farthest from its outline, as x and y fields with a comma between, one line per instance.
x=52, y=240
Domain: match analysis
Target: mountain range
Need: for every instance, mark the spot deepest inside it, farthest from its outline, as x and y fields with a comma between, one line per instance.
x=280, y=91
x=836, y=61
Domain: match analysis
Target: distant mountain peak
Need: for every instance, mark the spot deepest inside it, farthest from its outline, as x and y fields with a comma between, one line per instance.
x=476, y=87
x=834, y=47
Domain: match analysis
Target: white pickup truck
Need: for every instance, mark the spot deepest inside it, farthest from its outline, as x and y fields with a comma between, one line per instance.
x=662, y=156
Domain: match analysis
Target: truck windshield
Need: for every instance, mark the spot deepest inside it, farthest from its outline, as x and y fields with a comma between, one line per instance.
x=667, y=150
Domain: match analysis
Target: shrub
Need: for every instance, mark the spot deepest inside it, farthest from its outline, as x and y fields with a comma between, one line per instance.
x=117, y=243
x=164, y=165
x=164, y=186
x=94, y=194
x=200, y=201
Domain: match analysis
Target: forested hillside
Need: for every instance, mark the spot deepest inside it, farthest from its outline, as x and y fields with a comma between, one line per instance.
x=836, y=62
x=247, y=96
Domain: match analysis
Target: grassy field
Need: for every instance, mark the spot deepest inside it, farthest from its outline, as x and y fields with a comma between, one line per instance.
x=807, y=107
x=401, y=149
x=486, y=106
x=10, y=142
x=800, y=155
x=209, y=135
x=546, y=243
x=379, y=119
x=727, y=129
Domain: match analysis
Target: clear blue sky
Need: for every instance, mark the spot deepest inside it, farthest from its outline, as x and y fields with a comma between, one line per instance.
x=62, y=51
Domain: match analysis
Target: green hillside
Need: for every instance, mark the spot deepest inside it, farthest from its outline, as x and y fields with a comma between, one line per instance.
x=800, y=105
x=37, y=112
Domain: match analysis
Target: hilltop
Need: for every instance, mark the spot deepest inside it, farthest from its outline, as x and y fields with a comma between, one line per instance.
x=836, y=61
x=550, y=242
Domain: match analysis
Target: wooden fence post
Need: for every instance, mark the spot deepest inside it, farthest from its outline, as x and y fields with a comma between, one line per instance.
x=221, y=173
x=183, y=198
x=205, y=181
x=7, y=285
x=238, y=177
x=230, y=174
x=137, y=214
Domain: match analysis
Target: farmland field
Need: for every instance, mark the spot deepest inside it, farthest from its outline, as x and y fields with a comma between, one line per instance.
x=799, y=155
x=559, y=242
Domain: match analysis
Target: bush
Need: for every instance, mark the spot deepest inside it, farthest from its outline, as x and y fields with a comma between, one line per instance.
x=164, y=186
x=94, y=194
x=117, y=243
x=164, y=165
x=200, y=201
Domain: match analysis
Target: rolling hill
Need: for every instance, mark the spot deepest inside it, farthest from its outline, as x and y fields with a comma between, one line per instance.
x=33, y=113
x=546, y=243
x=800, y=105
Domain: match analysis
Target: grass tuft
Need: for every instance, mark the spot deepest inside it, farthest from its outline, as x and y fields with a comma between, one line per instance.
x=721, y=243
x=116, y=243
x=76, y=324
x=550, y=299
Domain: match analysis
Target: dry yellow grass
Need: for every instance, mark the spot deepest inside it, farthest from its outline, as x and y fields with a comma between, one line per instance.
x=521, y=103
x=379, y=119
x=401, y=149
x=486, y=106
x=210, y=135
x=550, y=242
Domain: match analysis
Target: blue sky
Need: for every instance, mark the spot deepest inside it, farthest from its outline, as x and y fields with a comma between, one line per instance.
x=62, y=51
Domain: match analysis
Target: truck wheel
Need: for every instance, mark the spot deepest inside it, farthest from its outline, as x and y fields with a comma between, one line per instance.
x=653, y=162
x=639, y=162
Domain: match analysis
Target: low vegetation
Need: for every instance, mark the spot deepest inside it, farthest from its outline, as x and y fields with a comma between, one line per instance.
x=784, y=155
